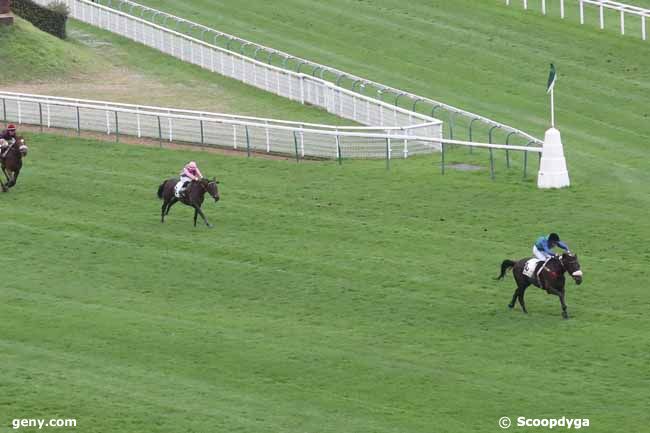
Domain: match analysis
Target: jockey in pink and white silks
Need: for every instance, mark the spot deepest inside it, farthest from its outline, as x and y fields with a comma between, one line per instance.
x=190, y=172
x=544, y=244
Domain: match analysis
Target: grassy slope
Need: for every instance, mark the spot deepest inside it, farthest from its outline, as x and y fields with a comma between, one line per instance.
x=31, y=54
x=327, y=299
x=349, y=298
x=99, y=65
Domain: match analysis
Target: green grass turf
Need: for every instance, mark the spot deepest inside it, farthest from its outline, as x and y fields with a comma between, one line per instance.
x=327, y=299
x=345, y=299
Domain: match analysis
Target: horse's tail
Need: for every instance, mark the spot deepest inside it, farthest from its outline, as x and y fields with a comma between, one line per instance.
x=505, y=265
x=161, y=188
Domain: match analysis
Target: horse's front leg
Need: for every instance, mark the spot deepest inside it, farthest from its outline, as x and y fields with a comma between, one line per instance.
x=4, y=170
x=200, y=212
x=560, y=294
x=196, y=214
x=565, y=313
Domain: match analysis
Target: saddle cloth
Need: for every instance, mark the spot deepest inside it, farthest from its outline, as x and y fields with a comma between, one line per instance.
x=530, y=267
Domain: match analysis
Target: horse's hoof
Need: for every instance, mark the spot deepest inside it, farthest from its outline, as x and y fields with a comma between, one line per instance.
x=565, y=315
x=511, y=306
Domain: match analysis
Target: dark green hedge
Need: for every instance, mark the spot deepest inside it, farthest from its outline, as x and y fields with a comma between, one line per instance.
x=51, y=18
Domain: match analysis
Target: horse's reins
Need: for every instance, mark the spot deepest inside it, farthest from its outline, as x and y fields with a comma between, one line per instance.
x=6, y=152
x=545, y=268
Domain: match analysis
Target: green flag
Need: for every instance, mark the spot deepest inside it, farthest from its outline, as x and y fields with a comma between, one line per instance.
x=552, y=78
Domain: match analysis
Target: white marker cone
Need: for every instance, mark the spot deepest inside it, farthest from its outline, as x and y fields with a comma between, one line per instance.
x=552, y=168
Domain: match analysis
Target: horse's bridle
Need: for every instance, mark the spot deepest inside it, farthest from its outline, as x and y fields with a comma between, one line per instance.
x=205, y=187
x=577, y=273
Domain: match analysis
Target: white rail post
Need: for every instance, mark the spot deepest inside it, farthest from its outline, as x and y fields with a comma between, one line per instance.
x=302, y=90
x=601, y=8
x=582, y=12
x=526, y=4
x=268, y=138
x=622, y=22
x=137, y=118
x=169, y=121
x=543, y=7
x=643, y=32
x=234, y=136
x=562, y=9
x=302, y=142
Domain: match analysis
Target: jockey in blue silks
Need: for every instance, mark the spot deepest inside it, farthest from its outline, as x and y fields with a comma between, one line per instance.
x=544, y=245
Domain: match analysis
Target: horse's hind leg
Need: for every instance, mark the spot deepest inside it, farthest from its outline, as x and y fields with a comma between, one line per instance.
x=520, y=296
x=171, y=203
x=511, y=305
x=196, y=213
x=162, y=212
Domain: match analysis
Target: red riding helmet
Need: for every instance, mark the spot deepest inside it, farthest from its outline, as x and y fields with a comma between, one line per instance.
x=11, y=127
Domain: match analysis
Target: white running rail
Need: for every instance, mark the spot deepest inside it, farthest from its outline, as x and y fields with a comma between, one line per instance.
x=623, y=10
x=356, y=83
x=295, y=86
x=215, y=129
x=242, y=133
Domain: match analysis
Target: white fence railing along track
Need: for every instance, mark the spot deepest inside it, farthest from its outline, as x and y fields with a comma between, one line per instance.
x=357, y=84
x=242, y=133
x=622, y=9
x=214, y=129
x=295, y=86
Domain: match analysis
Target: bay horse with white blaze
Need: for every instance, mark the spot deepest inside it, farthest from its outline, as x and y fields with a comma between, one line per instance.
x=547, y=276
x=193, y=197
x=11, y=161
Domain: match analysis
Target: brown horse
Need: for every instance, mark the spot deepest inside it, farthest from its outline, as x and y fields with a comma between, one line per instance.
x=547, y=275
x=11, y=161
x=193, y=196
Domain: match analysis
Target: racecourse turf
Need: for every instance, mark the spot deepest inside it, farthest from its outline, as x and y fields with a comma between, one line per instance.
x=327, y=298
x=345, y=298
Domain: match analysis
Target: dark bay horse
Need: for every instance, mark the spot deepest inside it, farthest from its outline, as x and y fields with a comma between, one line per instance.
x=548, y=276
x=194, y=195
x=11, y=161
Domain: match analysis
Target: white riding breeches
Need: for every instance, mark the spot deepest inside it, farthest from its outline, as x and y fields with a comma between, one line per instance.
x=541, y=255
x=179, y=186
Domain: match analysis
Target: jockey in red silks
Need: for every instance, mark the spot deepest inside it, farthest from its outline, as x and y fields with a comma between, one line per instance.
x=7, y=138
x=190, y=173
